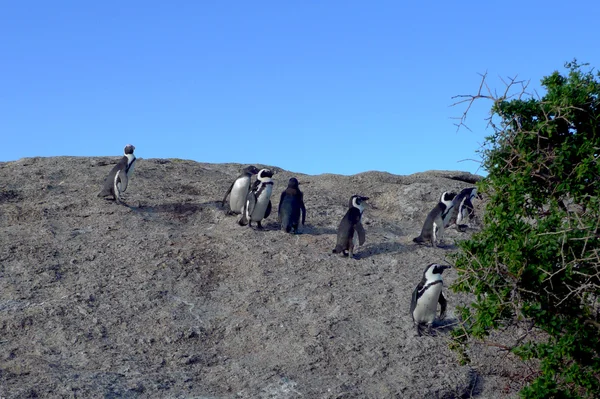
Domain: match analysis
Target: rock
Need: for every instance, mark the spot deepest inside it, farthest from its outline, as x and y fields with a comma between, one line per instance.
x=183, y=298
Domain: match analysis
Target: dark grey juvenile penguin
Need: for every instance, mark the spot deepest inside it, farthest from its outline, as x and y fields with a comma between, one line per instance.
x=118, y=178
x=433, y=227
x=350, y=227
x=258, y=200
x=423, y=306
x=239, y=190
x=291, y=203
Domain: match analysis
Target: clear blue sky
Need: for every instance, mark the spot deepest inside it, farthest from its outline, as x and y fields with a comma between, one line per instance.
x=309, y=86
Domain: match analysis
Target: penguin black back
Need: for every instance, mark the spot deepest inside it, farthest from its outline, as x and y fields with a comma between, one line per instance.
x=350, y=227
x=117, y=180
x=433, y=227
x=239, y=189
x=291, y=205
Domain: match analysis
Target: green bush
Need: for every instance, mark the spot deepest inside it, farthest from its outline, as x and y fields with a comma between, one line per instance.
x=536, y=261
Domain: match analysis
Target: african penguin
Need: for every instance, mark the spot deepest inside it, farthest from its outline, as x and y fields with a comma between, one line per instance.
x=239, y=190
x=258, y=200
x=423, y=305
x=465, y=207
x=291, y=203
x=118, y=178
x=350, y=228
x=433, y=227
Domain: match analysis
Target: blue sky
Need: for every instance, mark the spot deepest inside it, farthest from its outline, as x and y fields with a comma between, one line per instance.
x=308, y=86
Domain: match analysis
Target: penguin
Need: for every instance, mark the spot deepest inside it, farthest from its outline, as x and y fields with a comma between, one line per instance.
x=462, y=208
x=465, y=208
x=291, y=203
x=258, y=200
x=239, y=190
x=433, y=227
x=423, y=305
x=118, y=178
x=350, y=228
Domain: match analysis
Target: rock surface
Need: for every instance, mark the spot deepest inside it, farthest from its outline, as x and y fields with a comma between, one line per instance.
x=170, y=297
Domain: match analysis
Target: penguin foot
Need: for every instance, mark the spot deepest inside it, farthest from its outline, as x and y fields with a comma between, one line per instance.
x=259, y=226
x=419, y=240
x=243, y=221
x=428, y=333
x=462, y=227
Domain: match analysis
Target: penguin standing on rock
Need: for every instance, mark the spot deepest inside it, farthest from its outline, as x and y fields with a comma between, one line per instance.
x=239, y=190
x=423, y=306
x=258, y=200
x=463, y=208
x=118, y=178
x=291, y=203
x=351, y=228
x=433, y=227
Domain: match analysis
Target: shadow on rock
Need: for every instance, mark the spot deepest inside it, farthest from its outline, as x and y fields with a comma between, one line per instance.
x=380, y=248
x=317, y=230
x=175, y=208
x=446, y=325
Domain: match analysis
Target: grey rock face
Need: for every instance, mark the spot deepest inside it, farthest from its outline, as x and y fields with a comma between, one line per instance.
x=170, y=297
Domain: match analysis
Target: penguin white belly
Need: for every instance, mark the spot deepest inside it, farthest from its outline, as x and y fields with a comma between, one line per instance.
x=426, y=308
x=461, y=212
x=130, y=170
x=261, y=204
x=131, y=164
x=238, y=194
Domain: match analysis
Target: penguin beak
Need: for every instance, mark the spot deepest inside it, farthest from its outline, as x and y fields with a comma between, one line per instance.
x=446, y=266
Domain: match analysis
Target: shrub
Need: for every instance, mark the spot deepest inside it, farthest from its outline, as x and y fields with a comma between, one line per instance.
x=536, y=261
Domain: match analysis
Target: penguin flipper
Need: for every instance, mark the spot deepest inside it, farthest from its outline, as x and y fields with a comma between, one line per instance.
x=124, y=180
x=250, y=204
x=227, y=193
x=268, y=210
x=303, y=209
x=361, y=233
x=442, y=301
x=279, y=207
x=413, y=301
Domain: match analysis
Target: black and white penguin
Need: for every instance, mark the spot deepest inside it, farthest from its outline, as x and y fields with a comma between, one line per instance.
x=464, y=208
x=351, y=228
x=291, y=204
x=258, y=200
x=433, y=227
x=118, y=178
x=239, y=190
x=423, y=305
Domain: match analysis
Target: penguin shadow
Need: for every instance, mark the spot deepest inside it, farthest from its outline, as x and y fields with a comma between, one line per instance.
x=445, y=326
x=266, y=226
x=380, y=248
x=444, y=246
x=176, y=208
x=317, y=230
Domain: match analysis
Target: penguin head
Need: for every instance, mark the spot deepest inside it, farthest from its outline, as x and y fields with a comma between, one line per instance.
x=251, y=169
x=129, y=149
x=356, y=201
x=434, y=271
x=265, y=175
x=447, y=197
x=293, y=183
